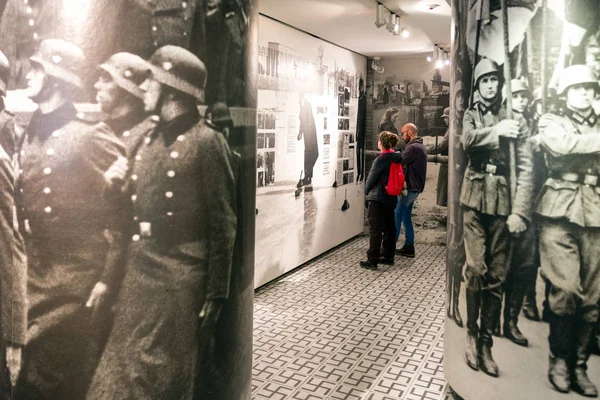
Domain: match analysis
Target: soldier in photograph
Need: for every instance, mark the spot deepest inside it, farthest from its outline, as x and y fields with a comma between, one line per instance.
x=64, y=216
x=569, y=211
x=523, y=264
x=179, y=260
x=487, y=212
x=13, y=262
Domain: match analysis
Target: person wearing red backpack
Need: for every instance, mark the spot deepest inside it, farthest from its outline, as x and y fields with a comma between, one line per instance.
x=380, y=204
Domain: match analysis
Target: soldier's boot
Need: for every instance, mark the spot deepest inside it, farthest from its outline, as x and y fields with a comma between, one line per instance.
x=513, y=302
x=456, y=295
x=490, y=311
x=581, y=383
x=530, y=308
x=560, y=340
x=473, y=306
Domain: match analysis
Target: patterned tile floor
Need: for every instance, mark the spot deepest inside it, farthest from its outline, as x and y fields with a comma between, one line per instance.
x=332, y=330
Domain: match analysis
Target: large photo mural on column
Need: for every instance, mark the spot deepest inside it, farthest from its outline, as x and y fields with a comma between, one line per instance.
x=524, y=201
x=309, y=168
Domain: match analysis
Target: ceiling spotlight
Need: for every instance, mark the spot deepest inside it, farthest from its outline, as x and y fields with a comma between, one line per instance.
x=439, y=64
x=379, y=19
x=391, y=23
x=397, y=26
x=429, y=59
x=405, y=33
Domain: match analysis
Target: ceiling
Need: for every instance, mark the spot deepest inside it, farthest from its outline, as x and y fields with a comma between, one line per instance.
x=351, y=23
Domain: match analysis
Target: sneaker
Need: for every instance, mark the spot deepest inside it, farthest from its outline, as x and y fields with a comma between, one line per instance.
x=368, y=265
x=386, y=261
x=406, y=251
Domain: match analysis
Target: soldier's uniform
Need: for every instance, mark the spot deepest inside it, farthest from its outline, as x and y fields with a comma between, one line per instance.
x=569, y=210
x=13, y=262
x=486, y=206
x=180, y=256
x=60, y=202
x=523, y=265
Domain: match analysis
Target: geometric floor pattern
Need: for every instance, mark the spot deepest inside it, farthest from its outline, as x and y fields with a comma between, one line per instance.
x=332, y=330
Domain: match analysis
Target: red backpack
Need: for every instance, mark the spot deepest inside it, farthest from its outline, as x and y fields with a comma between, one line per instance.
x=395, y=182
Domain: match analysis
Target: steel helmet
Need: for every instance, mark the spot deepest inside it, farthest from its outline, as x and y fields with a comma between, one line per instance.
x=517, y=85
x=4, y=72
x=446, y=113
x=575, y=75
x=485, y=67
x=179, y=69
x=220, y=115
x=60, y=59
x=128, y=71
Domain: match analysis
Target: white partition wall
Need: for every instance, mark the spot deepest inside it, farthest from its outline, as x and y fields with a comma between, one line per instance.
x=309, y=190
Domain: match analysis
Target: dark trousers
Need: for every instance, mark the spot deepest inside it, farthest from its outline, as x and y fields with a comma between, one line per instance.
x=522, y=273
x=383, y=232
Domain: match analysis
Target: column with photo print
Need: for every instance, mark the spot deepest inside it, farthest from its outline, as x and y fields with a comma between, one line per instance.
x=524, y=201
x=133, y=125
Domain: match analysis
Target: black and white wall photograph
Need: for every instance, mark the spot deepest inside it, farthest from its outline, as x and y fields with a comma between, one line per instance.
x=523, y=285
x=127, y=162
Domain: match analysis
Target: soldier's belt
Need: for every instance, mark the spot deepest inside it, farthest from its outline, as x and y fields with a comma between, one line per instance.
x=491, y=169
x=582, y=179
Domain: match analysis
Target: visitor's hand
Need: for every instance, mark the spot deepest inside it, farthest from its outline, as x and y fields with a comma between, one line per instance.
x=516, y=224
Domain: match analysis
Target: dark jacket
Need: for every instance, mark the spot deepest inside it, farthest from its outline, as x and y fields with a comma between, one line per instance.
x=378, y=177
x=414, y=161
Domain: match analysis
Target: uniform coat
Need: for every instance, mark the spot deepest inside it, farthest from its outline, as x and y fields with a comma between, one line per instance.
x=485, y=195
x=442, y=181
x=308, y=130
x=570, y=214
x=60, y=200
x=184, y=208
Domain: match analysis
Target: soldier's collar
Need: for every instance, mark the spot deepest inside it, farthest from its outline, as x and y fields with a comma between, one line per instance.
x=179, y=125
x=493, y=108
x=43, y=125
x=590, y=120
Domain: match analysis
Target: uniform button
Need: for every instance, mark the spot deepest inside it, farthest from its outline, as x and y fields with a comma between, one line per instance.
x=154, y=28
x=169, y=195
x=134, y=177
x=181, y=138
x=47, y=190
x=184, y=33
x=174, y=154
x=21, y=190
x=184, y=4
x=171, y=174
x=35, y=36
x=29, y=10
x=170, y=214
x=155, y=43
x=47, y=171
x=126, y=133
x=48, y=210
x=138, y=157
x=50, y=152
x=134, y=197
x=22, y=152
x=147, y=140
x=135, y=238
x=31, y=22
x=135, y=218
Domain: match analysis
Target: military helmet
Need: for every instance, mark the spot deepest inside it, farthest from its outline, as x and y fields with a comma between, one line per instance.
x=550, y=94
x=128, y=71
x=485, y=67
x=446, y=113
x=220, y=115
x=60, y=59
x=4, y=72
x=518, y=85
x=575, y=75
x=179, y=69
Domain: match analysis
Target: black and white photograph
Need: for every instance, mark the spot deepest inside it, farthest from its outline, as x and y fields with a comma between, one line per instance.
x=127, y=150
x=523, y=287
